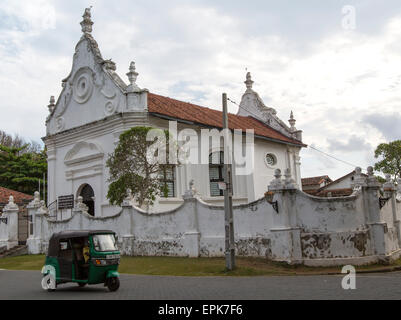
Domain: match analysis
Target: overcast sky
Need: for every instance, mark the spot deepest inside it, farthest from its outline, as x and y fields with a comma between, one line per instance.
x=341, y=76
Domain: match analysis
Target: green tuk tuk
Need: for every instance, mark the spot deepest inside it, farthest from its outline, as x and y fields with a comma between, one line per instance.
x=84, y=257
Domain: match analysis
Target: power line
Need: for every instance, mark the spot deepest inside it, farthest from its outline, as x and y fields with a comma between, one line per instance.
x=314, y=148
x=329, y=155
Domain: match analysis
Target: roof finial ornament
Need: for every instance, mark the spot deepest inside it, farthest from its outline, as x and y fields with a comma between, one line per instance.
x=132, y=76
x=292, y=121
x=52, y=104
x=87, y=22
x=248, y=81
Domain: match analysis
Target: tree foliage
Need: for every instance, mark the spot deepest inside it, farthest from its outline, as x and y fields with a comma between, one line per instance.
x=390, y=154
x=131, y=168
x=21, y=170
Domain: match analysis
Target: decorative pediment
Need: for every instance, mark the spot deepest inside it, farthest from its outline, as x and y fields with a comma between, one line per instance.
x=83, y=152
x=252, y=105
x=92, y=90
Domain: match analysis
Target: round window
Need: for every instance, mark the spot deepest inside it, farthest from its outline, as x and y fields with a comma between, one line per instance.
x=270, y=159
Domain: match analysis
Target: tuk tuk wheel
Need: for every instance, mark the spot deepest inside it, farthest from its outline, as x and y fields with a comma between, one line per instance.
x=51, y=290
x=81, y=284
x=113, y=284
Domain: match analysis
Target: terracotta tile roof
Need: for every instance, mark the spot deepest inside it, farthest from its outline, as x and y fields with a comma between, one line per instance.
x=314, y=180
x=335, y=192
x=19, y=197
x=160, y=105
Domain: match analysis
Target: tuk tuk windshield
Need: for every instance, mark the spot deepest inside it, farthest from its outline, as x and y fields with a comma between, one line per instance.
x=104, y=242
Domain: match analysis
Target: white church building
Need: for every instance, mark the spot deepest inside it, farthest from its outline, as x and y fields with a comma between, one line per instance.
x=95, y=106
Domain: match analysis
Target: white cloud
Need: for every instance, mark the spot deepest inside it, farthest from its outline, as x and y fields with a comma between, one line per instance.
x=196, y=52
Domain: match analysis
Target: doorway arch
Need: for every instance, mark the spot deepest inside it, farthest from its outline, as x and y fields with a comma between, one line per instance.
x=88, y=196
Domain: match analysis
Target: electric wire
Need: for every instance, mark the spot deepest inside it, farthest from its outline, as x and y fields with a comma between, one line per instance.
x=313, y=148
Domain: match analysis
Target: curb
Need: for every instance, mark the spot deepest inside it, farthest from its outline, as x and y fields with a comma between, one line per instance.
x=382, y=270
x=379, y=270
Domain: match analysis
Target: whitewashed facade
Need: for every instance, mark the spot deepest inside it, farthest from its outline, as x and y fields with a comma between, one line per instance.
x=96, y=106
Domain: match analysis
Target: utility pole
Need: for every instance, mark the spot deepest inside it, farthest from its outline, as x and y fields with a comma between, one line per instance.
x=228, y=193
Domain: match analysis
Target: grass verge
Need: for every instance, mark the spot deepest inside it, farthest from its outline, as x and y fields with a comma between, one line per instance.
x=177, y=266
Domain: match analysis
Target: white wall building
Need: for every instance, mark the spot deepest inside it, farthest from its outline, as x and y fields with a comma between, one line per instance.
x=96, y=106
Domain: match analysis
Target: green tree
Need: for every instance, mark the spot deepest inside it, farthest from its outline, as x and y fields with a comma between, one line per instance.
x=131, y=167
x=390, y=154
x=21, y=170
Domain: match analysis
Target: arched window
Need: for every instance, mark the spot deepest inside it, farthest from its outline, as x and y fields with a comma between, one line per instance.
x=216, y=172
x=88, y=198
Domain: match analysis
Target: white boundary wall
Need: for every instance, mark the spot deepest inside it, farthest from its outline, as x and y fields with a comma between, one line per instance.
x=306, y=229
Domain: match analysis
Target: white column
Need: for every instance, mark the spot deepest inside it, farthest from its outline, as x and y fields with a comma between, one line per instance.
x=378, y=227
x=51, y=171
x=192, y=234
x=9, y=225
x=286, y=234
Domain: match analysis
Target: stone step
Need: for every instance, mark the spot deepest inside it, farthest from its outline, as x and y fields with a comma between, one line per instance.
x=15, y=251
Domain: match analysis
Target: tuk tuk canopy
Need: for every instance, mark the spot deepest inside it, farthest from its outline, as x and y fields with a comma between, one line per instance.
x=63, y=235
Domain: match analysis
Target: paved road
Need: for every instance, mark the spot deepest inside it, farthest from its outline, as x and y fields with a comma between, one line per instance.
x=26, y=285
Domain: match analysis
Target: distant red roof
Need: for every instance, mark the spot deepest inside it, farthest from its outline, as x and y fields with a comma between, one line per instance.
x=315, y=180
x=334, y=192
x=19, y=197
x=160, y=105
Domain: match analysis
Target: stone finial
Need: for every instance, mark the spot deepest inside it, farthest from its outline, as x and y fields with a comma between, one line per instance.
x=276, y=183
x=87, y=23
x=388, y=186
x=36, y=200
x=51, y=104
x=277, y=174
x=292, y=122
x=42, y=208
x=372, y=181
x=128, y=199
x=249, y=82
x=190, y=193
x=81, y=205
x=11, y=204
x=359, y=179
x=289, y=182
x=132, y=74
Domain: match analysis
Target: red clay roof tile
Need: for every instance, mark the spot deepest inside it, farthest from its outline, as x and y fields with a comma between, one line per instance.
x=19, y=197
x=200, y=115
x=314, y=180
x=335, y=192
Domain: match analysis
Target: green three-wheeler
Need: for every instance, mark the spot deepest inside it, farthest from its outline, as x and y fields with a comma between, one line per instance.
x=84, y=257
